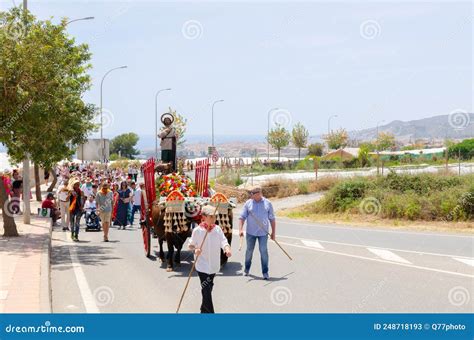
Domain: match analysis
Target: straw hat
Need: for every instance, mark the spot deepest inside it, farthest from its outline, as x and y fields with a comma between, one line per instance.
x=208, y=210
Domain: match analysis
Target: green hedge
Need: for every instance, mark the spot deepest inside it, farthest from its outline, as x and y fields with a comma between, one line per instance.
x=412, y=197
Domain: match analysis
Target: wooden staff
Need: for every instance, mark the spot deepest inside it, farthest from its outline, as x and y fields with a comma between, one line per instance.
x=260, y=224
x=194, y=265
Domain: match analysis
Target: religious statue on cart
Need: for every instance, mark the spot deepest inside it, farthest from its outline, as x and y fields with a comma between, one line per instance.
x=168, y=143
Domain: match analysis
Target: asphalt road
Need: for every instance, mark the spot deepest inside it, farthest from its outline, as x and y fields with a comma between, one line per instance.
x=334, y=269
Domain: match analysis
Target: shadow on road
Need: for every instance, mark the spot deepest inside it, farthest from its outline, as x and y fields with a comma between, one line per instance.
x=90, y=255
x=230, y=269
x=276, y=279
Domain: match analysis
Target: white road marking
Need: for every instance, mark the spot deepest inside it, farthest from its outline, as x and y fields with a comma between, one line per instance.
x=387, y=255
x=469, y=262
x=86, y=293
x=357, y=228
x=381, y=261
x=235, y=232
x=313, y=244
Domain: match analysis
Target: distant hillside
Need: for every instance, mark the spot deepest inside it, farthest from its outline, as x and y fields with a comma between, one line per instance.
x=455, y=126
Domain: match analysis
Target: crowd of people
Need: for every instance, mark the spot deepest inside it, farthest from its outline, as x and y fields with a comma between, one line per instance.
x=84, y=189
x=113, y=194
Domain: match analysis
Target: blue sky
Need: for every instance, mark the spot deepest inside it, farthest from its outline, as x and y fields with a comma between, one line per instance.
x=365, y=61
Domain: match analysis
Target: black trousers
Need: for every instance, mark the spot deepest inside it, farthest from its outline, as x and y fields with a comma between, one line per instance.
x=207, y=282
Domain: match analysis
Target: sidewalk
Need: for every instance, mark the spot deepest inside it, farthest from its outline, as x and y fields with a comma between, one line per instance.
x=25, y=267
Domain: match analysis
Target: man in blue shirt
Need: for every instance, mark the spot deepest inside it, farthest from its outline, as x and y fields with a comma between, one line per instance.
x=258, y=212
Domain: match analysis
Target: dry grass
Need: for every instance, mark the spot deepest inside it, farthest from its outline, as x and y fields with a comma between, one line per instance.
x=281, y=188
x=304, y=213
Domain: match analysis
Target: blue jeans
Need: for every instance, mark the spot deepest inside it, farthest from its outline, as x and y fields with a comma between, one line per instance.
x=75, y=221
x=135, y=208
x=262, y=247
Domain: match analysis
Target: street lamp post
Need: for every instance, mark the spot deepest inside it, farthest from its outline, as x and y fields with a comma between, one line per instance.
x=101, y=110
x=156, y=120
x=268, y=131
x=86, y=18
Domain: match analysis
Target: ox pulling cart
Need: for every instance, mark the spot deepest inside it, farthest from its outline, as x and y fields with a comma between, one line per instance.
x=171, y=208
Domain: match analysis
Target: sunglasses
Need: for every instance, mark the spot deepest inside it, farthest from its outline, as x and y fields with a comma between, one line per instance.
x=254, y=192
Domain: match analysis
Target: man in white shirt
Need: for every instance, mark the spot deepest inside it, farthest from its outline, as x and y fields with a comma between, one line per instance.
x=87, y=188
x=63, y=197
x=207, y=240
x=136, y=199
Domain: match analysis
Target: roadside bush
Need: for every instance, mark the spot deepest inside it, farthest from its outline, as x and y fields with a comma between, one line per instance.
x=230, y=178
x=420, y=184
x=305, y=164
x=303, y=188
x=393, y=206
x=412, y=197
x=345, y=194
x=323, y=183
x=412, y=209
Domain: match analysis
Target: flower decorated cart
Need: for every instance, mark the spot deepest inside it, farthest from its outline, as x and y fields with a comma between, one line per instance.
x=171, y=207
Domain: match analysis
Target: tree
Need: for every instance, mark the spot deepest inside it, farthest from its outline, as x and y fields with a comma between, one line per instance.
x=278, y=138
x=180, y=126
x=299, y=136
x=315, y=149
x=385, y=141
x=363, y=155
x=42, y=80
x=336, y=139
x=465, y=149
x=124, y=145
x=368, y=145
